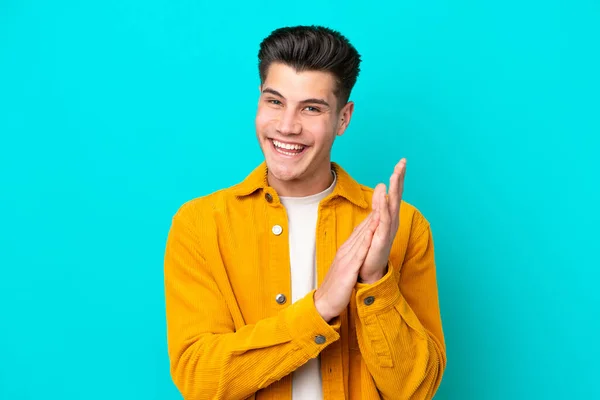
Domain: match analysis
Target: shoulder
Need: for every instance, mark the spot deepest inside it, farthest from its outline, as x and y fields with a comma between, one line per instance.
x=203, y=208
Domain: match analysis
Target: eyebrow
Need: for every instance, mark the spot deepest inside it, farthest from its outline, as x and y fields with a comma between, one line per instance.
x=306, y=101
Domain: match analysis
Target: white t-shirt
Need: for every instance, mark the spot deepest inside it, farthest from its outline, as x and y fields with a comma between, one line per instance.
x=302, y=220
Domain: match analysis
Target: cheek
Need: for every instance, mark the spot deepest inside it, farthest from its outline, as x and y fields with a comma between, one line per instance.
x=265, y=116
x=320, y=129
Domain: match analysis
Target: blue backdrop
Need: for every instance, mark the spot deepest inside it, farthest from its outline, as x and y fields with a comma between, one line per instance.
x=114, y=113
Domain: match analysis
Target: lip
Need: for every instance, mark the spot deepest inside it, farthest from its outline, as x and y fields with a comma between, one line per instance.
x=297, y=156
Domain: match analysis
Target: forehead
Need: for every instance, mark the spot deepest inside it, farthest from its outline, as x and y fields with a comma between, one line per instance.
x=294, y=85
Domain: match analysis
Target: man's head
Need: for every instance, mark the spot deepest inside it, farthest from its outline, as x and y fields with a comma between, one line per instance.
x=307, y=74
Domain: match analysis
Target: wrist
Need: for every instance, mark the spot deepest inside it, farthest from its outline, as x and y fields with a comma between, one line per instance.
x=322, y=307
x=372, y=278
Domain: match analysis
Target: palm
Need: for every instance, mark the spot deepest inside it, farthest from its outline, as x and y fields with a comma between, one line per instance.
x=379, y=251
x=376, y=260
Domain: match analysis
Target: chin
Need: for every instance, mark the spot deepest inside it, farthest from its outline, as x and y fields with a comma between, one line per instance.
x=283, y=172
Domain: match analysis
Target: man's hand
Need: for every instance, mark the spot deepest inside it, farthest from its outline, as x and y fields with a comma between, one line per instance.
x=375, y=264
x=334, y=293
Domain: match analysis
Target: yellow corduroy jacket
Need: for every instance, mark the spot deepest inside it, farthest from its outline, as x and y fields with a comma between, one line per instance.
x=228, y=337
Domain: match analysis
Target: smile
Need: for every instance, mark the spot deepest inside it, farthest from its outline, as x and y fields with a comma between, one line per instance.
x=288, y=149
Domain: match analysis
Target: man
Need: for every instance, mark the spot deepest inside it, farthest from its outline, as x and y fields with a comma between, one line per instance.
x=299, y=282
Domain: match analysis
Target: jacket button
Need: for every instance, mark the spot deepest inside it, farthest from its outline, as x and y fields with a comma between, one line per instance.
x=280, y=298
x=369, y=300
x=277, y=229
x=320, y=339
x=268, y=197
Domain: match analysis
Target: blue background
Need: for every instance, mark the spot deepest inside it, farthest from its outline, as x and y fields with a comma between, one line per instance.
x=114, y=113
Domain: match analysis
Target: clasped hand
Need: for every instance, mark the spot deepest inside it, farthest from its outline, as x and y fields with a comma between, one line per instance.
x=364, y=255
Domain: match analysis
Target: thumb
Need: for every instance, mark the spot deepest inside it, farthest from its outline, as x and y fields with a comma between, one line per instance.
x=377, y=194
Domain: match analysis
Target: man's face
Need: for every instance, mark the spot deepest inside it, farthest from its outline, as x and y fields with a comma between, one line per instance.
x=297, y=121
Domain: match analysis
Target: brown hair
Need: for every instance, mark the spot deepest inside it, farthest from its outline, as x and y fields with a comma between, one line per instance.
x=312, y=48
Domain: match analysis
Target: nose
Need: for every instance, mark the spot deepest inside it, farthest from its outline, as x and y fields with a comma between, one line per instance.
x=288, y=124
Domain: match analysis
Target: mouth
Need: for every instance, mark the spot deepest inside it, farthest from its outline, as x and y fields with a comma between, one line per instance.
x=288, y=149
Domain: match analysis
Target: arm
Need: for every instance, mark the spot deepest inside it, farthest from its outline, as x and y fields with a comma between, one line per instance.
x=209, y=358
x=400, y=332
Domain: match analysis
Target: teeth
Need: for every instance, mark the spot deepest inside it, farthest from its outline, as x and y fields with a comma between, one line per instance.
x=286, y=153
x=287, y=146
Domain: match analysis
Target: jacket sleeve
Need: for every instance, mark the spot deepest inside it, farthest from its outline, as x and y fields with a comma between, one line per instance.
x=399, y=328
x=209, y=358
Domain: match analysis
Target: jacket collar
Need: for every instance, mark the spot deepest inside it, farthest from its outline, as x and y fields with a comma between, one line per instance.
x=345, y=187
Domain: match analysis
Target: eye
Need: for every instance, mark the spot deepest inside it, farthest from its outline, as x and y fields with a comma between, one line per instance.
x=274, y=102
x=312, y=109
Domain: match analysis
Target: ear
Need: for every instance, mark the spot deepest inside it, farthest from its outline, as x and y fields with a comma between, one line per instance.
x=344, y=118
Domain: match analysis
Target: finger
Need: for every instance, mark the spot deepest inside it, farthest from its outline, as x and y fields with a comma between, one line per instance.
x=374, y=202
x=384, y=216
x=356, y=240
x=361, y=248
x=358, y=230
x=376, y=194
x=396, y=188
x=374, y=215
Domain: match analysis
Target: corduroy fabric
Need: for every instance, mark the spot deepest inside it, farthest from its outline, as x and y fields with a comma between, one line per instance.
x=229, y=339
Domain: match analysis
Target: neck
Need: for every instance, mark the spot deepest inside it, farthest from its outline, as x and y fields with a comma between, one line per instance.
x=318, y=182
